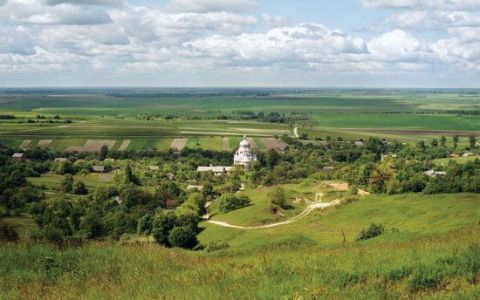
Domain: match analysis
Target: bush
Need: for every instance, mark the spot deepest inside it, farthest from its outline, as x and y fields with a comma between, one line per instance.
x=7, y=233
x=182, y=237
x=230, y=202
x=278, y=197
x=425, y=278
x=372, y=231
x=216, y=246
x=79, y=188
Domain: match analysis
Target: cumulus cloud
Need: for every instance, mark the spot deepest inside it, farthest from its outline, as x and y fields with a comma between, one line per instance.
x=215, y=37
x=203, y=6
x=395, y=45
x=432, y=20
x=301, y=44
x=432, y=4
x=86, y=2
x=3, y=2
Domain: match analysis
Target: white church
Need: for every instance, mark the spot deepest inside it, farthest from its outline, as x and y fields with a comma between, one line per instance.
x=244, y=156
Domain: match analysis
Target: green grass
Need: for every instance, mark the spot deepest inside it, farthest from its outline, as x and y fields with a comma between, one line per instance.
x=433, y=266
x=411, y=214
x=93, y=180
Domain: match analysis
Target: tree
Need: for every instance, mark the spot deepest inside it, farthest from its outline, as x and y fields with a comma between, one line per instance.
x=145, y=224
x=7, y=233
x=67, y=184
x=162, y=224
x=472, y=140
x=278, y=197
x=421, y=146
x=79, y=188
x=229, y=202
x=103, y=152
x=183, y=237
x=455, y=141
x=129, y=177
x=271, y=158
x=434, y=143
x=443, y=141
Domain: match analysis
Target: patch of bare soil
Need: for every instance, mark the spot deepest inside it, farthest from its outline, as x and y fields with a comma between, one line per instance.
x=276, y=144
x=124, y=145
x=178, y=144
x=44, y=143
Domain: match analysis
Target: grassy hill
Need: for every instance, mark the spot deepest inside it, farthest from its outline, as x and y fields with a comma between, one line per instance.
x=430, y=250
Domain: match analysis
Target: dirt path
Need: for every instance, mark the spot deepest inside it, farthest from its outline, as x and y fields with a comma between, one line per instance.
x=311, y=207
x=295, y=132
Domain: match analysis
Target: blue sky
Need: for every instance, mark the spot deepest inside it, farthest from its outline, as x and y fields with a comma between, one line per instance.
x=311, y=43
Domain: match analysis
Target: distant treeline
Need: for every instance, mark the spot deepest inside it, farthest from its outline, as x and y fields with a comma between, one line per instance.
x=7, y=117
x=272, y=117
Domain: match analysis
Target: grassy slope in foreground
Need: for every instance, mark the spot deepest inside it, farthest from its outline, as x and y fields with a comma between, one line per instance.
x=438, y=266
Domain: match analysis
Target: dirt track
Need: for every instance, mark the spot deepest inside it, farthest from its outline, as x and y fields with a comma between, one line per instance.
x=311, y=207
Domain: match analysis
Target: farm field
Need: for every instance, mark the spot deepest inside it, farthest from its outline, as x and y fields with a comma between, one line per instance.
x=409, y=116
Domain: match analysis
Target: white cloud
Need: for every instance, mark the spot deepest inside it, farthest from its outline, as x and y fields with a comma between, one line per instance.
x=203, y=6
x=396, y=45
x=433, y=20
x=431, y=4
x=86, y=2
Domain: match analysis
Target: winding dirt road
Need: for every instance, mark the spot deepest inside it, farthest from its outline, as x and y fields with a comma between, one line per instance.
x=311, y=207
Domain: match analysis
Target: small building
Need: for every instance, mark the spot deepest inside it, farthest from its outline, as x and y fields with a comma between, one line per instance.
x=18, y=156
x=98, y=169
x=60, y=159
x=433, y=173
x=154, y=168
x=192, y=188
x=359, y=144
x=454, y=155
x=216, y=170
x=467, y=154
x=170, y=176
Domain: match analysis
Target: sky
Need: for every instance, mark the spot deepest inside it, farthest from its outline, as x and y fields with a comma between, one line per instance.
x=240, y=43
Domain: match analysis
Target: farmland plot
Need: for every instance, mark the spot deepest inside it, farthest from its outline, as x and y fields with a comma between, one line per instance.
x=179, y=144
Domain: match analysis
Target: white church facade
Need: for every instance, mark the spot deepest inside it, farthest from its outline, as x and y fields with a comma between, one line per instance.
x=244, y=156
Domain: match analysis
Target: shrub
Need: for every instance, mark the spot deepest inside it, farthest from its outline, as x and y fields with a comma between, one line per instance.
x=216, y=246
x=279, y=197
x=372, y=231
x=183, y=237
x=425, y=278
x=230, y=202
x=79, y=188
x=7, y=233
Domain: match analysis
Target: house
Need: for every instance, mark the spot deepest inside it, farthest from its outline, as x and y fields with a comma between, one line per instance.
x=359, y=144
x=171, y=203
x=328, y=168
x=197, y=188
x=467, y=154
x=60, y=159
x=433, y=173
x=454, y=155
x=18, y=156
x=153, y=168
x=217, y=170
x=98, y=169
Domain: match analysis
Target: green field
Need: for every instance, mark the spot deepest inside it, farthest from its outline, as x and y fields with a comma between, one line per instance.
x=408, y=115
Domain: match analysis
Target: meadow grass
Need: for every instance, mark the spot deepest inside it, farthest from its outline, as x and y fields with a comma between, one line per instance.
x=428, y=267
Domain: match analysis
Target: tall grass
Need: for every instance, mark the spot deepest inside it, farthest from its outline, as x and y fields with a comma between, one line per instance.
x=445, y=266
